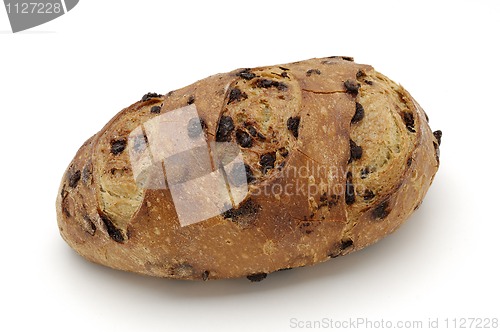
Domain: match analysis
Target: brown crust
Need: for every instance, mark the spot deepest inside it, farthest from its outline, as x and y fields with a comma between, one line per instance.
x=109, y=220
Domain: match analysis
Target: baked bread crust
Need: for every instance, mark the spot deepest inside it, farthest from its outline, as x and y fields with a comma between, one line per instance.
x=360, y=140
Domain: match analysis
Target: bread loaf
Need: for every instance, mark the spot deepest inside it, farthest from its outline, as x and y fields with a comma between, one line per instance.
x=250, y=172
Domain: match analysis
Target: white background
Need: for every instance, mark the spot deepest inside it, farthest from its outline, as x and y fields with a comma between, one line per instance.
x=62, y=81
